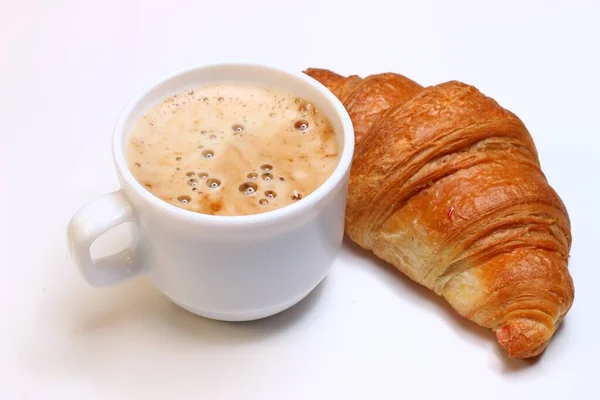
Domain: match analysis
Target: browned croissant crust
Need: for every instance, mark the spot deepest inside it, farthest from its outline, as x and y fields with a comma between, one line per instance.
x=446, y=185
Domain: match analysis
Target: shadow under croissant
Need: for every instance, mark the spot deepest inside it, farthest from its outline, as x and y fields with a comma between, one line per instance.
x=92, y=320
x=509, y=365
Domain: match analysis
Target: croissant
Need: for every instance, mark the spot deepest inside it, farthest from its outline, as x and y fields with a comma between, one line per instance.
x=446, y=186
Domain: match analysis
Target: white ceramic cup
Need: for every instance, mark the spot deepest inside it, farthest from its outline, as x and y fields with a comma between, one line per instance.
x=231, y=268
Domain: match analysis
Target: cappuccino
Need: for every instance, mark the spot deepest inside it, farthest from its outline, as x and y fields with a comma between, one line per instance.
x=232, y=149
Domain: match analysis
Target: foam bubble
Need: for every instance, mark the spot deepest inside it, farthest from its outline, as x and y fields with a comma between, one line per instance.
x=184, y=199
x=248, y=188
x=263, y=202
x=252, y=175
x=304, y=107
x=301, y=125
x=267, y=176
x=213, y=183
x=193, y=182
x=270, y=194
x=296, y=195
x=137, y=164
x=237, y=128
x=266, y=167
x=189, y=173
x=202, y=175
x=208, y=154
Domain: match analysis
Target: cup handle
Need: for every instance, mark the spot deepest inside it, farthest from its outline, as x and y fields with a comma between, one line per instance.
x=89, y=223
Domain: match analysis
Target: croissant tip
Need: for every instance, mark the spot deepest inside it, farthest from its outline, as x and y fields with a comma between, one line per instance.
x=311, y=70
x=523, y=339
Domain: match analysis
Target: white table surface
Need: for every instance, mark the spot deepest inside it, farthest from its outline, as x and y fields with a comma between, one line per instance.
x=66, y=70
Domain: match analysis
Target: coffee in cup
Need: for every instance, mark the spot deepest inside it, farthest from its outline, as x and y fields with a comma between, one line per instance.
x=232, y=149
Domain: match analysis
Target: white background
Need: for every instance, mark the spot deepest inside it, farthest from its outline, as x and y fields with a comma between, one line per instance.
x=68, y=67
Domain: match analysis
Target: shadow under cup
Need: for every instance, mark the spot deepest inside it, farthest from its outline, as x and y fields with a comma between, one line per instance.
x=237, y=267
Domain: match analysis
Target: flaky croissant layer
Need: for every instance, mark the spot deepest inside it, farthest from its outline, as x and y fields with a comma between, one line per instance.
x=446, y=186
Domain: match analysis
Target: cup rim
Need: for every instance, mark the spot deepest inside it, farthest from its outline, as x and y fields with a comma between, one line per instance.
x=289, y=211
